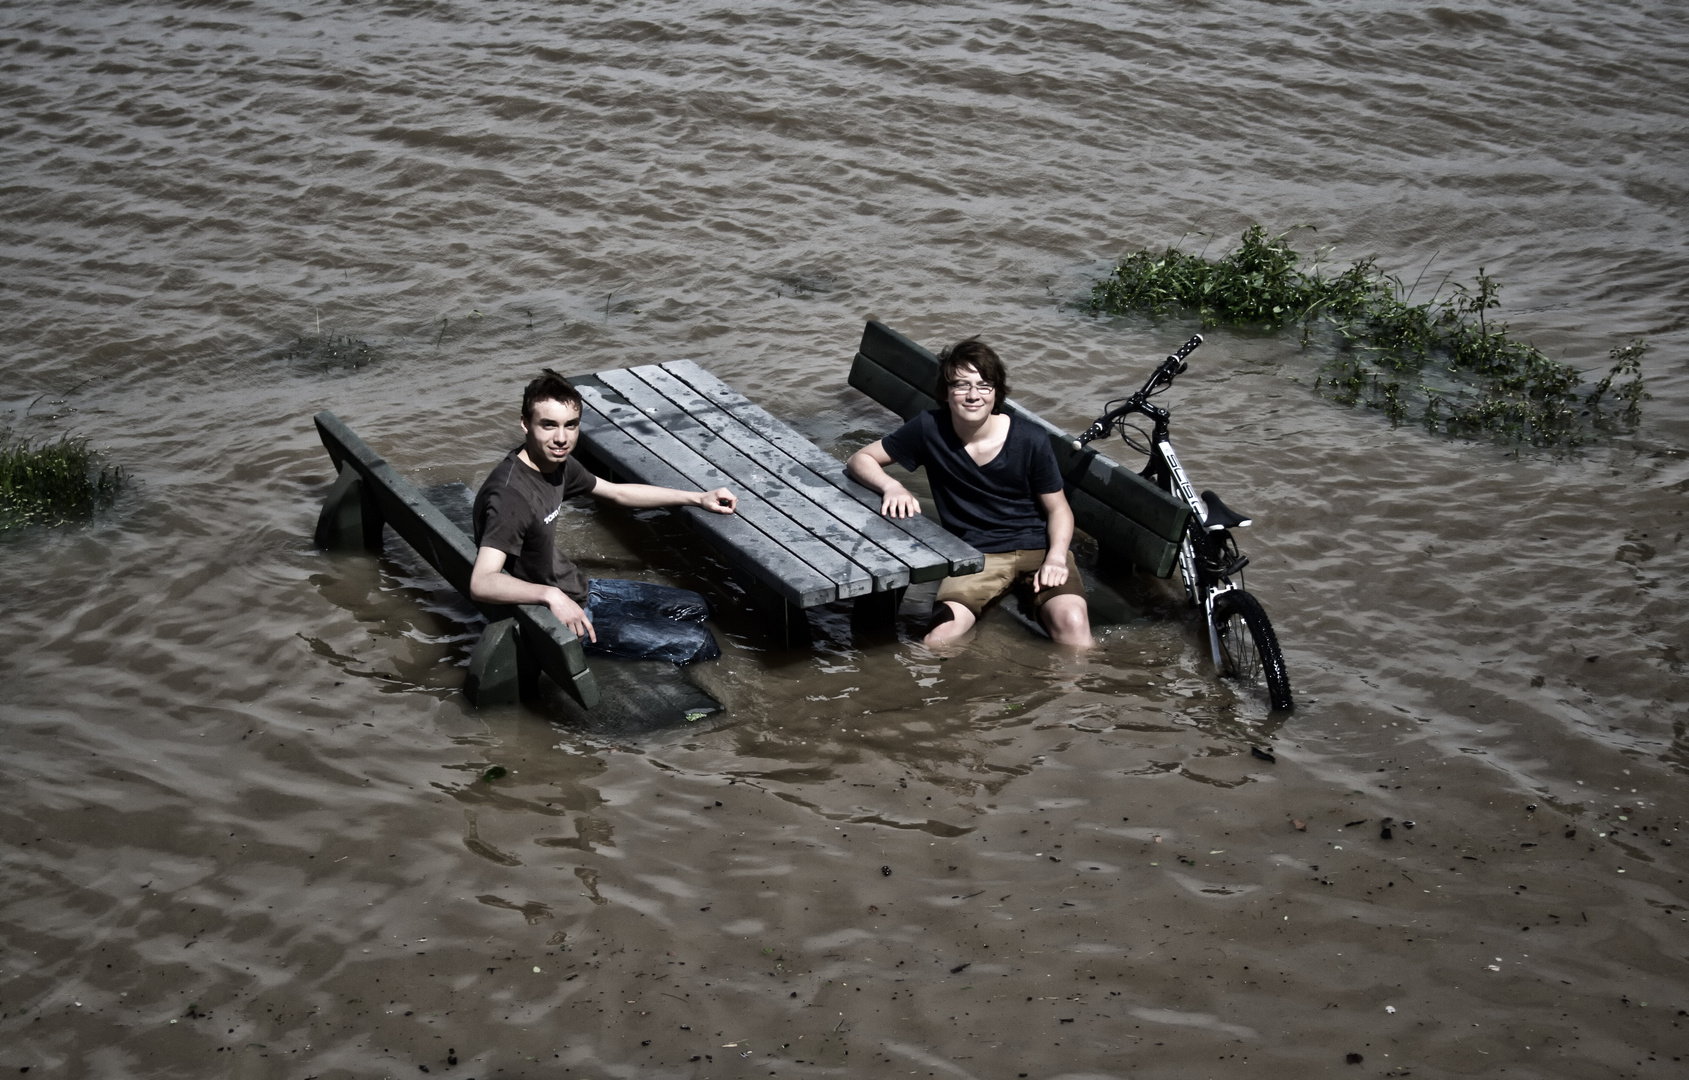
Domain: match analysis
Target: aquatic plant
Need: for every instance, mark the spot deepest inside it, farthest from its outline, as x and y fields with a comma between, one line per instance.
x=1389, y=348
x=53, y=482
x=1627, y=360
x=328, y=351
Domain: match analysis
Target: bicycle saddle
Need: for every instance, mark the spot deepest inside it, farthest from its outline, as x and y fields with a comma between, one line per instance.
x=1221, y=516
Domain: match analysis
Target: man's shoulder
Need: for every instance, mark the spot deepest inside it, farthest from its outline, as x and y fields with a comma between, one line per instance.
x=575, y=478
x=1023, y=432
x=925, y=426
x=500, y=476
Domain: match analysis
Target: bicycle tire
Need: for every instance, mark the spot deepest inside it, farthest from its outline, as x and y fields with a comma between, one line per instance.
x=1249, y=648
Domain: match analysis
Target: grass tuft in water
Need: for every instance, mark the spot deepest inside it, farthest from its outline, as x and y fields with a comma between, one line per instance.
x=53, y=483
x=1389, y=349
x=326, y=352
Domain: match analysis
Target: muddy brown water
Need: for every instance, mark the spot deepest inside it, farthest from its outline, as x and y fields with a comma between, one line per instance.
x=243, y=828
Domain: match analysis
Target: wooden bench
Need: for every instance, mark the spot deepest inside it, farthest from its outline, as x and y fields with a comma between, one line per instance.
x=1134, y=522
x=804, y=530
x=519, y=643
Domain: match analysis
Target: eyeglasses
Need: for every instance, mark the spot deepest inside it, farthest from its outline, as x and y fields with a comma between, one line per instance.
x=982, y=388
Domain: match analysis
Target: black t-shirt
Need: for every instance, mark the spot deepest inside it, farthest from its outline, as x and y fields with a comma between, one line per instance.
x=994, y=507
x=514, y=512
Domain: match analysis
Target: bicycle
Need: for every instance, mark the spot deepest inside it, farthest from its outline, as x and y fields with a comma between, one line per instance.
x=1239, y=633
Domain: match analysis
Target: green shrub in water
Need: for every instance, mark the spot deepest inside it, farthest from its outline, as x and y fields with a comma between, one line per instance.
x=1501, y=386
x=53, y=482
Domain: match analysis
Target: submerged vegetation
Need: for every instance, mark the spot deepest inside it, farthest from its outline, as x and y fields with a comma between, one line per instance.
x=53, y=482
x=1444, y=359
x=326, y=352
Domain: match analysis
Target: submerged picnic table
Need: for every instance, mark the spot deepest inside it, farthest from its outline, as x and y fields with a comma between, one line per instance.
x=805, y=533
x=804, y=529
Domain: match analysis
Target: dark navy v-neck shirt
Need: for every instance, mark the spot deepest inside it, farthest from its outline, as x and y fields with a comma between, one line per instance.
x=994, y=507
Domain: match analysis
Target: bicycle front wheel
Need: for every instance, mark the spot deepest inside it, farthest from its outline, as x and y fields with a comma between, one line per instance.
x=1249, y=650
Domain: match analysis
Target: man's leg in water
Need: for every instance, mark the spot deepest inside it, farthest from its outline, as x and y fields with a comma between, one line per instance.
x=1061, y=609
x=1068, y=620
x=950, y=621
x=960, y=599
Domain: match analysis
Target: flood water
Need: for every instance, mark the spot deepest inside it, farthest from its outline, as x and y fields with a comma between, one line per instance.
x=243, y=822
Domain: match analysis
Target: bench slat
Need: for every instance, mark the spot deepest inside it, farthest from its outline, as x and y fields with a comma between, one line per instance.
x=1122, y=537
x=737, y=540
x=907, y=552
x=849, y=579
x=962, y=558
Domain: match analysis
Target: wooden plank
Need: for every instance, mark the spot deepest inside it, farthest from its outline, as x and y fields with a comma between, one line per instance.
x=901, y=356
x=449, y=551
x=910, y=553
x=962, y=558
x=900, y=375
x=848, y=578
x=1123, y=540
x=888, y=388
x=885, y=571
x=412, y=516
x=737, y=539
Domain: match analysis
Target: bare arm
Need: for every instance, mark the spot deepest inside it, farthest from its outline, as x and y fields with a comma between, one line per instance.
x=488, y=584
x=646, y=496
x=1058, y=526
x=868, y=465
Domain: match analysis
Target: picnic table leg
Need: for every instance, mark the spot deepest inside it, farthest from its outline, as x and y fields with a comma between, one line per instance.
x=791, y=622
x=495, y=667
x=350, y=518
x=876, y=611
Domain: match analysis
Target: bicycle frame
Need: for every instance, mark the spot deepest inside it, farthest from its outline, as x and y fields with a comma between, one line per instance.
x=1201, y=586
x=1204, y=560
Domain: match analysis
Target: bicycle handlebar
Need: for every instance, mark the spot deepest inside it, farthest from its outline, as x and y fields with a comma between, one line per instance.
x=1164, y=374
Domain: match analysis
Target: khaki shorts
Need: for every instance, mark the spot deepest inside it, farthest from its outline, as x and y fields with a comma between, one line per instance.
x=1009, y=570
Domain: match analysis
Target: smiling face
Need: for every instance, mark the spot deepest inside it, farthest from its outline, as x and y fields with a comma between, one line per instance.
x=972, y=398
x=552, y=429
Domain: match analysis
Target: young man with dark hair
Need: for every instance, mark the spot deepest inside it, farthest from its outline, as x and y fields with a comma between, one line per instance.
x=997, y=486
x=519, y=501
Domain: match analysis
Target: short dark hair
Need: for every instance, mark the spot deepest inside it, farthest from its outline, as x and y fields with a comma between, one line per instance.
x=550, y=386
x=974, y=353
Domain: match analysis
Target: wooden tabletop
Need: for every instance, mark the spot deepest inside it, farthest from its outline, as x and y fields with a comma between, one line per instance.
x=803, y=528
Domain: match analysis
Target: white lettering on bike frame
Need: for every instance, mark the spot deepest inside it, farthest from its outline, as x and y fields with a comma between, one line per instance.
x=1188, y=493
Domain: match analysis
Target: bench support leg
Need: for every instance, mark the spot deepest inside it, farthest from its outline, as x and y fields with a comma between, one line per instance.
x=349, y=520
x=877, y=611
x=495, y=667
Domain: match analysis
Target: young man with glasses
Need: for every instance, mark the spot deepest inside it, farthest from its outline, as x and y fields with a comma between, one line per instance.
x=997, y=487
